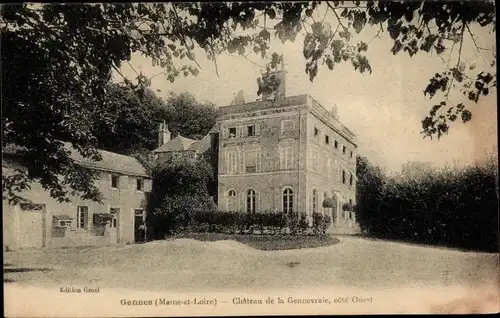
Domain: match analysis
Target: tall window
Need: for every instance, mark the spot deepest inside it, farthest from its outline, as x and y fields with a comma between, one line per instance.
x=327, y=139
x=287, y=125
x=313, y=159
x=231, y=200
x=343, y=176
x=350, y=179
x=288, y=200
x=336, y=144
x=232, y=162
x=286, y=158
x=316, y=131
x=81, y=217
x=343, y=149
x=115, y=182
x=314, y=201
x=251, y=157
x=115, y=212
x=250, y=201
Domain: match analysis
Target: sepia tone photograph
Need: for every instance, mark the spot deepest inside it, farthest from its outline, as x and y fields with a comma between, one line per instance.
x=249, y=158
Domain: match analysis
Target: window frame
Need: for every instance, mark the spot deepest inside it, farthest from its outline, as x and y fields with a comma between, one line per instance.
x=250, y=201
x=139, y=181
x=287, y=196
x=82, y=213
x=251, y=130
x=114, y=222
x=113, y=176
x=230, y=136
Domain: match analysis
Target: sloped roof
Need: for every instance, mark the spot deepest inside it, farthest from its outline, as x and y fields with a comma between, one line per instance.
x=110, y=161
x=204, y=144
x=179, y=143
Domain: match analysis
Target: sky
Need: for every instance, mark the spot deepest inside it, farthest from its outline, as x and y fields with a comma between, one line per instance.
x=384, y=109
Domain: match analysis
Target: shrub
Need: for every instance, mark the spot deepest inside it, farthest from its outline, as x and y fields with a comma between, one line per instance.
x=454, y=208
x=320, y=223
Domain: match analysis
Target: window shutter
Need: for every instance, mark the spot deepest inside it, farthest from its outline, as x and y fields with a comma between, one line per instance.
x=242, y=161
x=257, y=129
x=257, y=201
x=86, y=218
x=259, y=156
x=281, y=157
x=241, y=205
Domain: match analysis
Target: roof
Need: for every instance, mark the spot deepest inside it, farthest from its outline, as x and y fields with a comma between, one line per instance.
x=110, y=161
x=204, y=144
x=179, y=143
x=62, y=217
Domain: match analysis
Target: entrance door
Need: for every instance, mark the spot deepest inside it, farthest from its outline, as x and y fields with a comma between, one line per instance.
x=31, y=225
x=139, y=224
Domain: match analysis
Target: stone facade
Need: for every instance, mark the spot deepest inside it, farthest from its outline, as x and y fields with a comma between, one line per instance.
x=271, y=152
x=48, y=223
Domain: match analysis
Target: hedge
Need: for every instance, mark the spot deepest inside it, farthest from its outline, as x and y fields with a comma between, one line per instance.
x=272, y=223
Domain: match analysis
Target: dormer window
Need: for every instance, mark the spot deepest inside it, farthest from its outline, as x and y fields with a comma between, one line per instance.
x=232, y=132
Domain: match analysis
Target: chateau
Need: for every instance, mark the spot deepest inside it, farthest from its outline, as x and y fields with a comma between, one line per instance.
x=280, y=153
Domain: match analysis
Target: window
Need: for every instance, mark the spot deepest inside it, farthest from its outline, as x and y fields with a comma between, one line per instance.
x=286, y=158
x=231, y=200
x=350, y=179
x=81, y=217
x=316, y=131
x=343, y=149
x=314, y=201
x=287, y=125
x=115, y=212
x=232, y=132
x=250, y=201
x=336, y=144
x=251, y=161
x=327, y=139
x=232, y=162
x=288, y=200
x=140, y=185
x=343, y=176
x=251, y=130
x=350, y=155
x=31, y=206
x=314, y=160
x=139, y=212
x=115, y=182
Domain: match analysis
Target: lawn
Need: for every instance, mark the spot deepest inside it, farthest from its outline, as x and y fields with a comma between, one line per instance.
x=217, y=263
x=266, y=242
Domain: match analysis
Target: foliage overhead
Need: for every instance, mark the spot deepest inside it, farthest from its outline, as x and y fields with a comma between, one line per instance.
x=60, y=58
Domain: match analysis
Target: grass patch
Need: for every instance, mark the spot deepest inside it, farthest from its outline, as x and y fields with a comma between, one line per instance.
x=266, y=242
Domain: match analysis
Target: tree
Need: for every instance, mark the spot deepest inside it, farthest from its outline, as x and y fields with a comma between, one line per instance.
x=190, y=117
x=132, y=123
x=179, y=189
x=61, y=57
x=369, y=189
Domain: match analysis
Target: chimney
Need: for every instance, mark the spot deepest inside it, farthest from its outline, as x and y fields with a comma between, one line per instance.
x=163, y=134
x=280, y=75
